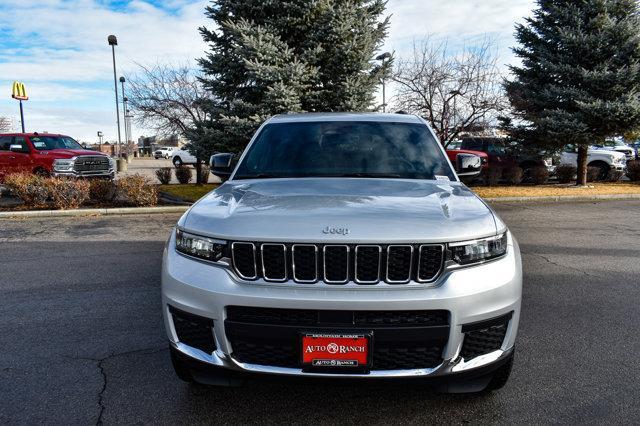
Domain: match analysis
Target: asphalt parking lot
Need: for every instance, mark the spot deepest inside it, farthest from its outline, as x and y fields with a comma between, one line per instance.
x=82, y=340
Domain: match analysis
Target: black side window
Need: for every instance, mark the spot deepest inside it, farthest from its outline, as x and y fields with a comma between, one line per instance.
x=5, y=142
x=19, y=140
x=471, y=144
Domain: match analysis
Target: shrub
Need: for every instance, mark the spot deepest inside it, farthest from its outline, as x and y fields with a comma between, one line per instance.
x=615, y=175
x=31, y=189
x=565, y=173
x=493, y=175
x=164, y=175
x=183, y=174
x=204, y=174
x=633, y=170
x=102, y=190
x=513, y=175
x=68, y=193
x=593, y=173
x=136, y=190
x=539, y=175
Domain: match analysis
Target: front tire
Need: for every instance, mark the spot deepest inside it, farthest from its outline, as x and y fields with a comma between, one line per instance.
x=41, y=172
x=177, y=161
x=604, y=169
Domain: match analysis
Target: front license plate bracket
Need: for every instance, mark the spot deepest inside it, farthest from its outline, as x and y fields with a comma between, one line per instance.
x=336, y=352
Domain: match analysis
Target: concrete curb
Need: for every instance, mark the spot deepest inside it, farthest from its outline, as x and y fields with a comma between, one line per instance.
x=561, y=198
x=181, y=209
x=93, y=212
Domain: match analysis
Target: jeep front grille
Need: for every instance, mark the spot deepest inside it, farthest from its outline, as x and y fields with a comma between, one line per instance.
x=337, y=264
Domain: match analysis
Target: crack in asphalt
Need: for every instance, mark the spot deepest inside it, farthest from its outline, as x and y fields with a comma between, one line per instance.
x=100, y=364
x=561, y=265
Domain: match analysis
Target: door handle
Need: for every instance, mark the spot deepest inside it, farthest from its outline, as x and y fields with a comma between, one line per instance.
x=12, y=157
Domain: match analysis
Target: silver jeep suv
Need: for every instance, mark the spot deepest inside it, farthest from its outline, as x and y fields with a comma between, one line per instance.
x=343, y=246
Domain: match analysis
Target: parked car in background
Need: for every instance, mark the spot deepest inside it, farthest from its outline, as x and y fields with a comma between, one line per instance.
x=501, y=153
x=51, y=155
x=163, y=152
x=618, y=146
x=180, y=157
x=603, y=159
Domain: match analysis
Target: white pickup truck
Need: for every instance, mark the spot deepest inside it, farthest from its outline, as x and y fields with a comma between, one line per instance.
x=181, y=157
x=605, y=160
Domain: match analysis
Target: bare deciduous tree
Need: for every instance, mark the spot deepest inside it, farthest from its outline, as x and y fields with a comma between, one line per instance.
x=453, y=92
x=171, y=100
x=5, y=124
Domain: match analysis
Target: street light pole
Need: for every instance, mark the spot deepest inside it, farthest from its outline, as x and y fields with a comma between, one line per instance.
x=113, y=42
x=124, y=112
x=386, y=56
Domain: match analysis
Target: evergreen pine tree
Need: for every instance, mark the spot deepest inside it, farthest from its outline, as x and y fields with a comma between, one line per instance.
x=276, y=56
x=579, y=81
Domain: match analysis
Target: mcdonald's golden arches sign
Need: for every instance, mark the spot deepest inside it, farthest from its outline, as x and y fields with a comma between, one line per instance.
x=19, y=91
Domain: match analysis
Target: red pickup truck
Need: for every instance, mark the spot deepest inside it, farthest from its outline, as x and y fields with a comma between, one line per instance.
x=51, y=155
x=453, y=153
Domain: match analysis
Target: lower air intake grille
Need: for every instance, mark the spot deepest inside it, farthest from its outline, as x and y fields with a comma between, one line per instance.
x=407, y=358
x=402, y=340
x=193, y=330
x=481, y=341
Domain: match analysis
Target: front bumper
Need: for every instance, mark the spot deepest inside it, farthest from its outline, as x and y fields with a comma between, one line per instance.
x=470, y=295
x=109, y=174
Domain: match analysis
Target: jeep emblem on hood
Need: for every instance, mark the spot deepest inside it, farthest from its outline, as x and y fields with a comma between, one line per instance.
x=334, y=230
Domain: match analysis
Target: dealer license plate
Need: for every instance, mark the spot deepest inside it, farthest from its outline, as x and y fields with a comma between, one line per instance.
x=335, y=350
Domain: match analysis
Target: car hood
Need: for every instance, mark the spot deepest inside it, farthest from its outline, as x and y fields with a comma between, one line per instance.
x=372, y=210
x=69, y=153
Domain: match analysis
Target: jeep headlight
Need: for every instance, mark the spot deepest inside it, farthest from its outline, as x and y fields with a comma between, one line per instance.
x=63, y=164
x=200, y=247
x=468, y=252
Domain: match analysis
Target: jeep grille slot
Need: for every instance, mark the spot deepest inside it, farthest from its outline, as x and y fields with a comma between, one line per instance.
x=274, y=262
x=338, y=264
x=368, y=264
x=430, y=260
x=399, y=264
x=305, y=263
x=244, y=260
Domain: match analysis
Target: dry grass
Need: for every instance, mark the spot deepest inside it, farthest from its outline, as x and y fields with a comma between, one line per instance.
x=188, y=192
x=557, y=190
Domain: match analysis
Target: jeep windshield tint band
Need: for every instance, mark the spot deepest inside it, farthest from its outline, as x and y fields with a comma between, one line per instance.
x=344, y=149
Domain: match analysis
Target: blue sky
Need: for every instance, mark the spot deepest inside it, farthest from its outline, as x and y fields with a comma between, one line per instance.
x=58, y=48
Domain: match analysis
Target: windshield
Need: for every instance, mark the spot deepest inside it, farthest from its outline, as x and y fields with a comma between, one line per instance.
x=45, y=143
x=345, y=149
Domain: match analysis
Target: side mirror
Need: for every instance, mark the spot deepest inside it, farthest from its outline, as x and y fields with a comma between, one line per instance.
x=222, y=165
x=16, y=148
x=468, y=165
